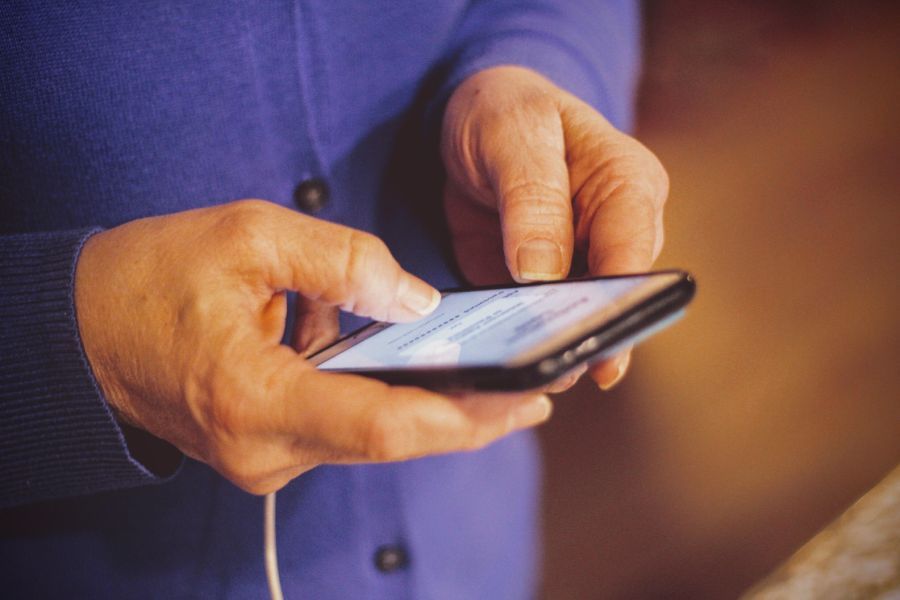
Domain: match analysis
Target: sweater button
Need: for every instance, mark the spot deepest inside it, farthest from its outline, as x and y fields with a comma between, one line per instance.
x=311, y=195
x=390, y=558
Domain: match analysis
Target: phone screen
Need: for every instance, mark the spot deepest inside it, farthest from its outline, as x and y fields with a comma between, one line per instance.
x=490, y=326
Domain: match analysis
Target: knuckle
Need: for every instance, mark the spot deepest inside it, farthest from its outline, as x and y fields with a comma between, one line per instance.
x=362, y=248
x=245, y=224
x=365, y=257
x=537, y=205
x=531, y=114
x=244, y=212
x=536, y=194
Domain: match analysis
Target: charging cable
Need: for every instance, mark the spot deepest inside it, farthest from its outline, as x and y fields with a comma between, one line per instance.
x=270, y=549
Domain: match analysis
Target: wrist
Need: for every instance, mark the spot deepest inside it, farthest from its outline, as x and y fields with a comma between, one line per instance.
x=93, y=318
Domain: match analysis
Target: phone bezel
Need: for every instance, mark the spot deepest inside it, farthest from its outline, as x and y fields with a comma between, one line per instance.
x=590, y=346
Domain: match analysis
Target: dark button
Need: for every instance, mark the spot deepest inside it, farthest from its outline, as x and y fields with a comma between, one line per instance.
x=311, y=195
x=390, y=558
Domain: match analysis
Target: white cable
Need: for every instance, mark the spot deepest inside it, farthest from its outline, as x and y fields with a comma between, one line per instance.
x=271, y=551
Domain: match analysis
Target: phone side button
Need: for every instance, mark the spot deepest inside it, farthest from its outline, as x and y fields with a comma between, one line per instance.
x=588, y=346
x=548, y=366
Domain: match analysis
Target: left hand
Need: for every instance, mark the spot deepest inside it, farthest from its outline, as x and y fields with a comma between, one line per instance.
x=533, y=163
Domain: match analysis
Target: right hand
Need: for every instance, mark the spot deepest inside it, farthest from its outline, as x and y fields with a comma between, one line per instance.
x=181, y=318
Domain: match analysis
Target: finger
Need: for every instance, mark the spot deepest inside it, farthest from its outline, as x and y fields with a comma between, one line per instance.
x=609, y=372
x=660, y=235
x=566, y=381
x=347, y=418
x=620, y=189
x=623, y=233
x=315, y=327
x=523, y=157
x=333, y=264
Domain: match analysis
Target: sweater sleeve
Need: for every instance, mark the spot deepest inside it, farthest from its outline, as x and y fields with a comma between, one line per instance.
x=590, y=48
x=58, y=436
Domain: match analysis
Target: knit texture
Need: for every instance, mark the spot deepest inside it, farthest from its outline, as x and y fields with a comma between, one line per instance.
x=57, y=435
x=112, y=111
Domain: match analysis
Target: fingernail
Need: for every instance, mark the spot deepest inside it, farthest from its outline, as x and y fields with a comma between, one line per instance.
x=534, y=412
x=420, y=297
x=621, y=367
x=539, y=259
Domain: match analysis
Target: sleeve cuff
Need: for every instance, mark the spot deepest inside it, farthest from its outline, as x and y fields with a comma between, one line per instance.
x=552, y=57
x=58, y=436
x=590, y=49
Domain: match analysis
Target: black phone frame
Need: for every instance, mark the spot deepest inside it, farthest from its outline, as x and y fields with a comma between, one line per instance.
x=542, y=371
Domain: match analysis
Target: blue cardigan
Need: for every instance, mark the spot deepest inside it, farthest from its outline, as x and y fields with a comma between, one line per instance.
x=111, y=111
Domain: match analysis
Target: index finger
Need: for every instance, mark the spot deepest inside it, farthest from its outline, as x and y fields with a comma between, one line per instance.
x=327, y=262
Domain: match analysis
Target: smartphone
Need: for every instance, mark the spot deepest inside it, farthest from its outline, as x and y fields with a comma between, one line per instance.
x=513, y=337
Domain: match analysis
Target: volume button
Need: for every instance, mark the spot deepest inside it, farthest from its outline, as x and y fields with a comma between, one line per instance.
x=587, y=346
x=548, y=365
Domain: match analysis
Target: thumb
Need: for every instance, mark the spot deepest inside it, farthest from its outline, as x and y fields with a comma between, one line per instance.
x=340, y=266
x=524, y=161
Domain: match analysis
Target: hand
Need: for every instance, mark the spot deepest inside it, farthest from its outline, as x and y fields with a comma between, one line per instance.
x=181, y=318
x=535, y=176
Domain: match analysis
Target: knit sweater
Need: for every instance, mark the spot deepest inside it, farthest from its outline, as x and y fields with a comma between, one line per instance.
x=113, y=111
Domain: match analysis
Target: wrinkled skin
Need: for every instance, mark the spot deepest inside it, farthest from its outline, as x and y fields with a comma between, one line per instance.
x=536, y=176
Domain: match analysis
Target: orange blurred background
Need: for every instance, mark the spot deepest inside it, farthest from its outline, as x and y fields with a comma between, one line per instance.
x=775, y=403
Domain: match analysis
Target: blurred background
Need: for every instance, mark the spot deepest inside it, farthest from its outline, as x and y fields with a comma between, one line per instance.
x=749, y=426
